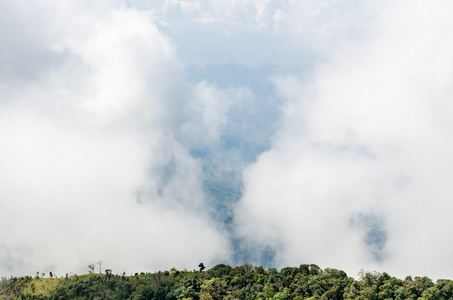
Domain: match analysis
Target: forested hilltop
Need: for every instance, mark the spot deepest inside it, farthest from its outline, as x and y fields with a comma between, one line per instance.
x=226, y=282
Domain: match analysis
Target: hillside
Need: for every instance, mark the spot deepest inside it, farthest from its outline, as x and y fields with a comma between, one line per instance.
x=226, y=282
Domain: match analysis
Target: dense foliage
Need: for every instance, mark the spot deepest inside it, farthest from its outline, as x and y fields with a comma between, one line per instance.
x=226, y=282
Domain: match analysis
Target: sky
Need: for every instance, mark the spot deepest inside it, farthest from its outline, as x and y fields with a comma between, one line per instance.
x=158, y=134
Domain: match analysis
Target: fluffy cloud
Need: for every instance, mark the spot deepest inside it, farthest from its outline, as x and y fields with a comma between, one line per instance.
x=367, y=133
x=91, y=165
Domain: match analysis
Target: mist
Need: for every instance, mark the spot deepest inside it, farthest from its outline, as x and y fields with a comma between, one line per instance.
x=365, y=138
x=87, y=133
x=160, y=134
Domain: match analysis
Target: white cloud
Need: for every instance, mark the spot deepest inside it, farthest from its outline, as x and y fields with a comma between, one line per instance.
x=207, y=112
x=367, y=133
x=91, y=167
x=279, y=18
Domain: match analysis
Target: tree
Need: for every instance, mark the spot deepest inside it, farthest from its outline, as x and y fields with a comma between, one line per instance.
x=100, y=265
x=285, y=295
x=202, y=267
x=214, y=288
x=91, y=268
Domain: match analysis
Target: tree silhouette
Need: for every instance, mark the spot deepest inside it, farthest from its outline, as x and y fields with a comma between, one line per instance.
x=108, y=272
x=100, y=265
x=91, y=268
x=202, y=267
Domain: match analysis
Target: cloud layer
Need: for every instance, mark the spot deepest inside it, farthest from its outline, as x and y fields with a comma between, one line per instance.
x=120, y=122
x=89, y=124
x=366, y=135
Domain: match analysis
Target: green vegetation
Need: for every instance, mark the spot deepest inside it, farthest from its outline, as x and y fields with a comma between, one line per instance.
x=226, y=282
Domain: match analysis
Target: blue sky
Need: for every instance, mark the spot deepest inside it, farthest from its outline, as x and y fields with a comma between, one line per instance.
x=159, y=134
